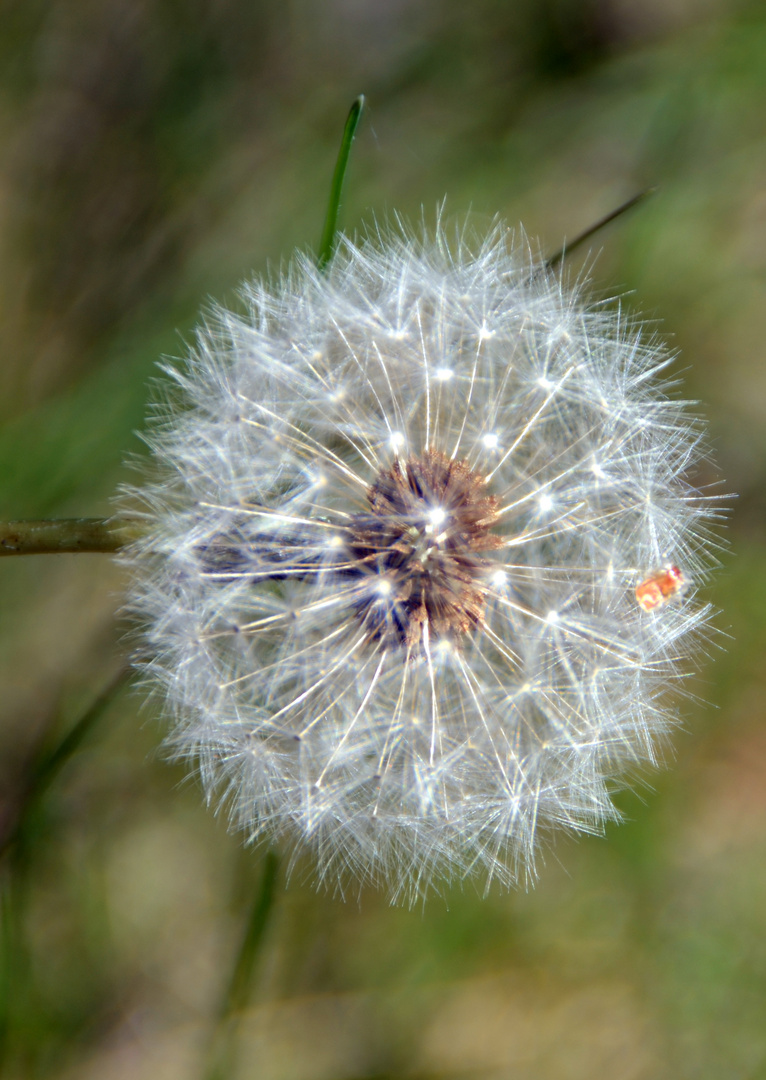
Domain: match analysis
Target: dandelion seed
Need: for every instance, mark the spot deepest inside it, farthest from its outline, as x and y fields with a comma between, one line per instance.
x=390, y=578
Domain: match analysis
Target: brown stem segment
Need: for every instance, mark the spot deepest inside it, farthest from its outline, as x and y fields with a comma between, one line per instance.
x=66, y=536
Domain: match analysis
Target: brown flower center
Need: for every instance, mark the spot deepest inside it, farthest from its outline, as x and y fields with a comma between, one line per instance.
x=420, y=550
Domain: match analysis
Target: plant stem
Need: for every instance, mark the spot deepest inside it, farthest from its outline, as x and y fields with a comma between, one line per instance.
x=66, y=535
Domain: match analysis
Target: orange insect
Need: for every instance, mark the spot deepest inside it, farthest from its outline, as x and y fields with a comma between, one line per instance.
x=659, y=588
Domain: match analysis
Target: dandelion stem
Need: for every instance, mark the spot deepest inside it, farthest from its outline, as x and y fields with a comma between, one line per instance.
x=568, y=248
x=330, y=231
x=66, y=535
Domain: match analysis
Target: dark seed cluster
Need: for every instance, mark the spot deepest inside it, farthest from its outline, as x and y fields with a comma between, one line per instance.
x=421, y=548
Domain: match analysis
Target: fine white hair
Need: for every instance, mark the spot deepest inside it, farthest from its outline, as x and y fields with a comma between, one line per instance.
x=399, y=513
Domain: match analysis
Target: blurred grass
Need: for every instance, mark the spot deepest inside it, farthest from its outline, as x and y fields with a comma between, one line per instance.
x=154, y=153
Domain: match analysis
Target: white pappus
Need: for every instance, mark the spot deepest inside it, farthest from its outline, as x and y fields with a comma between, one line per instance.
x=401, y=517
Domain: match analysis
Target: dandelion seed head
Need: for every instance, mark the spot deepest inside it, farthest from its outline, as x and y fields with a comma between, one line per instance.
x=410, y=520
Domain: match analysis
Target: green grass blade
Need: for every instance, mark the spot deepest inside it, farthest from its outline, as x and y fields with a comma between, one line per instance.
x=330, y=231
x=567, y=249
x=52, y=760
x=221, y=1058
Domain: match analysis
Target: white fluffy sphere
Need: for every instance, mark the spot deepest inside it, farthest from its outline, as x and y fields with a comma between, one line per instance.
x=421, y=558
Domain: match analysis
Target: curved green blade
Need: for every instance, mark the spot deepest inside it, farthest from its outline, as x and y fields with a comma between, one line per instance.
x=330, y=231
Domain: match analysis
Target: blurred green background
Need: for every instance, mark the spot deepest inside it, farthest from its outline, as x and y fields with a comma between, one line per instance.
x=154, y=152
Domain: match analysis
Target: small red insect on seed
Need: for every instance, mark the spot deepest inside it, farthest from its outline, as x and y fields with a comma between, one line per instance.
x=659, y=588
